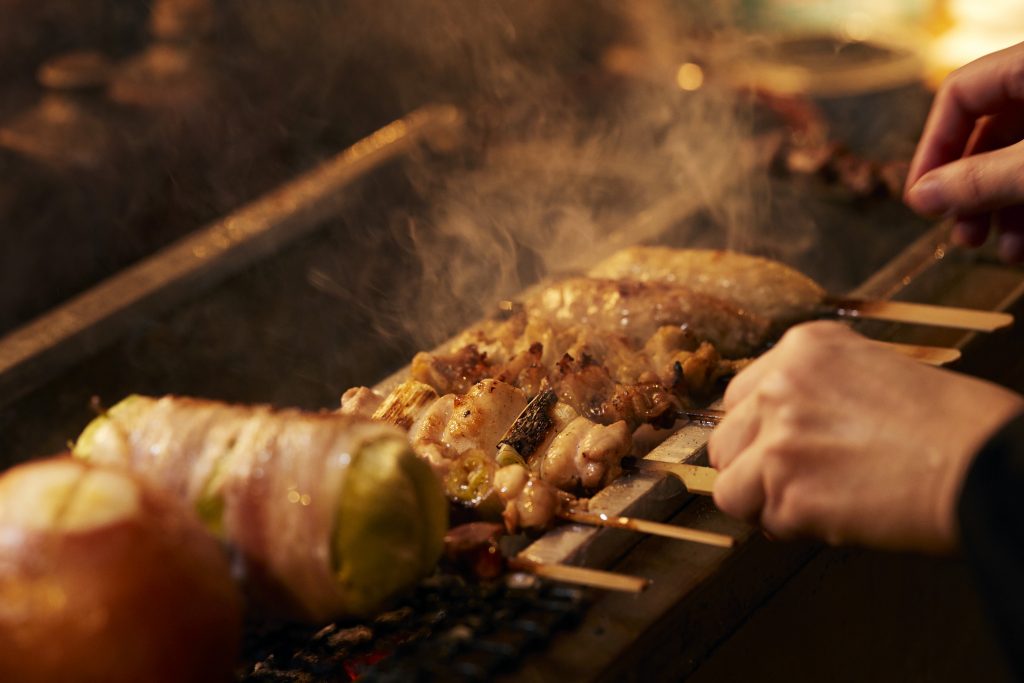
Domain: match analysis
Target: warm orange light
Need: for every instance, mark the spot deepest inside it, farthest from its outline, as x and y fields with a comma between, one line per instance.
x=690, y=76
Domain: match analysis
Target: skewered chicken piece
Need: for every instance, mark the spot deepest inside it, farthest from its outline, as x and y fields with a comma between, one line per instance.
x=761, y=287
x=600, y=311
x=637, y=309
x=604, y=377
x=475, y=444
x=361, y=516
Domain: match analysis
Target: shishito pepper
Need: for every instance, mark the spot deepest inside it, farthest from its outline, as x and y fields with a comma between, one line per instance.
x=332, y=514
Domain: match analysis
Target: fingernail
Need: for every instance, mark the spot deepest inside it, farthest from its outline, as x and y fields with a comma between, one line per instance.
x=928, y=196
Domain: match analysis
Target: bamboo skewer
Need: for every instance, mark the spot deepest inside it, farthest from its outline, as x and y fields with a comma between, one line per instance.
x=919, y=314
x=583, y=576
x=930, y=355
x=696, y=479
x=648, y=527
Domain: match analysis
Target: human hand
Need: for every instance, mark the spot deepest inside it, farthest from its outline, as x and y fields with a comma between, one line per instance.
x=970, y=160
x=829, y=435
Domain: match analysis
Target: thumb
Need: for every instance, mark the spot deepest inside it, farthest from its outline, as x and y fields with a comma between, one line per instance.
x=972, y=185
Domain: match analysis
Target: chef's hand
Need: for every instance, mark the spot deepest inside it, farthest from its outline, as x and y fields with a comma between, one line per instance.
x=970, y=160
x=831, y=436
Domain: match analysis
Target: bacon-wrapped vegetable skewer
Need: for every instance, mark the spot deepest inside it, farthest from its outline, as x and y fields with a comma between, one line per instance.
x=331, y=514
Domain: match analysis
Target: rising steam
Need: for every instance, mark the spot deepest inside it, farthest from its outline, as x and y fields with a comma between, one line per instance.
x=575, y=160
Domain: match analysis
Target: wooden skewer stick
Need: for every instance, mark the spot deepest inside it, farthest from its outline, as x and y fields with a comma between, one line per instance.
x=647, y=527
x=696, y=479
x=920, y=314
x=583, y=576
x=931, y=355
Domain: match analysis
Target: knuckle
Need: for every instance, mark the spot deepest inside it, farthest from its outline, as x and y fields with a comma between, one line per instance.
x=777, y=456
x=781, y=386
x=808, y=338
x=790, y=420
x=790, y=513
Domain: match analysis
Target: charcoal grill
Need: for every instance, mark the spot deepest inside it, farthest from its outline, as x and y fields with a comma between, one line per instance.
x=227, y=314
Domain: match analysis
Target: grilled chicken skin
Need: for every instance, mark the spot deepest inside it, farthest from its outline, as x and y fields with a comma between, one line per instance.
x=759, y=286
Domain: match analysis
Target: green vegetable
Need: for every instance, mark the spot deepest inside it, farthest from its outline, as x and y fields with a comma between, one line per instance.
x=123, y=412
x=470, y=478
x=391, y=519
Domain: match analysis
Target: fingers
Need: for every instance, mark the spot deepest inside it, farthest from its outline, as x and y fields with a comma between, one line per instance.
x=972, y=185
x=1010, y=223
x=996, y=131
x=983, y=87
x=739, y=490
x=971, y=231
x=743, y=384
x=734, y=434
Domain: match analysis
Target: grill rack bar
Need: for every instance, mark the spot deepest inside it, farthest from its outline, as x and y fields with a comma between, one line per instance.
x=43, y=348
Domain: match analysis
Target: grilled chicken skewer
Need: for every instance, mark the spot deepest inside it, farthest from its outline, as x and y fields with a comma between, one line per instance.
x=331, y=515
x=773, y=292
x=636, y=350
x=546, y=451
x=470, y=440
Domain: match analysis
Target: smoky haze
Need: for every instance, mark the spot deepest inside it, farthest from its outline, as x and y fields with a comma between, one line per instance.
x=570, y=158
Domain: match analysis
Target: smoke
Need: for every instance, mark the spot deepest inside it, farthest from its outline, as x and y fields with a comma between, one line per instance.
x=581, y=143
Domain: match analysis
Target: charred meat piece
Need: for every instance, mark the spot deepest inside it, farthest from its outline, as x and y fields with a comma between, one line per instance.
x=637, y=308
x=767, y=290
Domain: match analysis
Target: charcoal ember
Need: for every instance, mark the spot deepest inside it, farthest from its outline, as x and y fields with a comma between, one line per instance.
x=394, y=617
x=447, y=628
x=349, y=637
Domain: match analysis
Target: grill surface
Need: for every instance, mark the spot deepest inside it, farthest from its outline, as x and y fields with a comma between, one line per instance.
x=276, y=334
x=447, y=629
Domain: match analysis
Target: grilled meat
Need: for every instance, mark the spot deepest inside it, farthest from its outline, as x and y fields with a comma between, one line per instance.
x=464, y=438
x=668, y=368
x=759, y=287
x=476, y=421
x=637, y=308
